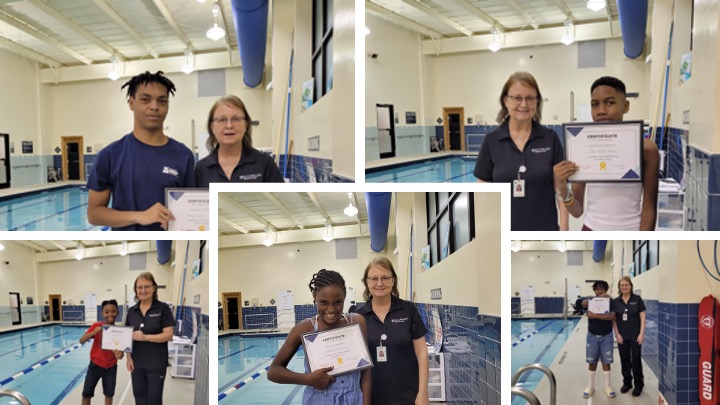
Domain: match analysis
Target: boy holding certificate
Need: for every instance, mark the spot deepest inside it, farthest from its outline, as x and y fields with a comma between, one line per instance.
x=103, y=363
x=599, y=342
x=617, y=206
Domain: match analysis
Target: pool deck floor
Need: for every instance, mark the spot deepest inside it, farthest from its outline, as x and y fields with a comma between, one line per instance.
x=25, y=189
x=570, y=371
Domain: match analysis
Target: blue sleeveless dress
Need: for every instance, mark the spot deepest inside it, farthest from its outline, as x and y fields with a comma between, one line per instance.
x=344, y=391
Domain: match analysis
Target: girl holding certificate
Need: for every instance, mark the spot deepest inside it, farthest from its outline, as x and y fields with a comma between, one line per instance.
x=328, y=290
x=103, y=363
x=630, y=335
x=523, y=152
x=232, y=158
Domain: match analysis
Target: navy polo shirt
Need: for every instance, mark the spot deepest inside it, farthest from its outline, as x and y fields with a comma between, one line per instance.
x=498, y=162
x=629, y=329
x=394, y=382
x=254, y=167
x=150, y=355
x=601, y=327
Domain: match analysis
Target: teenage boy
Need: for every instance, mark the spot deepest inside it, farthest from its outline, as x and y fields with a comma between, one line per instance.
x=599, y=340
x=103, y=363
x=136, y=169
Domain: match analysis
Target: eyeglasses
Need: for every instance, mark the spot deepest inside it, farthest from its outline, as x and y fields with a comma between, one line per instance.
x=144, y=287
x=374, y=280
x=222, y=121
x=519, y=99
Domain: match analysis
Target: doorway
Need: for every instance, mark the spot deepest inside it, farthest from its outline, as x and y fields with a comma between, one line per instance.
x=55, y=307
x=386, y=130
x=4, y=160
x=15, y=313
x=73, y=161
x=454, y=118
x=232, y=310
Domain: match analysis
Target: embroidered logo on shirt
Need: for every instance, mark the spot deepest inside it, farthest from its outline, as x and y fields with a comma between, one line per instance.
x=250, y=177
x=399, y=320
x=540, y=150
x=171, y=171
x=153, y=315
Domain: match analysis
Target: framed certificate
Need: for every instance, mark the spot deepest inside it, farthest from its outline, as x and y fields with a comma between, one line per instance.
x=599, y=305
x=117, y=338
x=190, y=207
x=605, y=151
x=342, y=348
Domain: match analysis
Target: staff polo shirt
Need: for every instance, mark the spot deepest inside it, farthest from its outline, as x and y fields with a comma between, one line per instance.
x=629, y=329
x=254, y=167
x=498, y=162
x=601, y=327
x=394, y=381
x=150, y=355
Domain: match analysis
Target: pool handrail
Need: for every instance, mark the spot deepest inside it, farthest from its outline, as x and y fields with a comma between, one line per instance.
x=525, y=394
x=548, y=373
x=273, y=324
x=15, y=394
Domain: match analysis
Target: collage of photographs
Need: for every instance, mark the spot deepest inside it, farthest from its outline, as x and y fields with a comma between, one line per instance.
x=427, y=241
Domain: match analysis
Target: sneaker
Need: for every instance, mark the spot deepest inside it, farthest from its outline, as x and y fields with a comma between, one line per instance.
x=637, y=391
x=588, y=392
x=610, y=392
x=625, y=388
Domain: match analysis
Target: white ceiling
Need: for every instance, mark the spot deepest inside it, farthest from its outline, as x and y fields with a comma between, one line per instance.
x=292, y=217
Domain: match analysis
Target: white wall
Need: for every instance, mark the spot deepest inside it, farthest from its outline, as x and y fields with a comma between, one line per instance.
x=259, y=272
x=20, y=275
x=193, y=286
x=20, y=109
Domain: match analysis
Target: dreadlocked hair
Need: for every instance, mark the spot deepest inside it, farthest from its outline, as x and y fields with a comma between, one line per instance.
x=324, y=278
x=145, y=78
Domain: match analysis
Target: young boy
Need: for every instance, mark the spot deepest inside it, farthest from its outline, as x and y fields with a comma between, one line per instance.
x=599, y=341
x=612, y=206
x=103, y=363
x=136, y=169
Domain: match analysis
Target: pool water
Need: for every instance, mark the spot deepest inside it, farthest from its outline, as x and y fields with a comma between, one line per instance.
x=61, y=209
x=242, y=357
x=454, y=169
x=542, y=340
x=49, y=383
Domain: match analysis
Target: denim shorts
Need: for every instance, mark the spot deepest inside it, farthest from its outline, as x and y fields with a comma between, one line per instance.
x=94, y=374
x=599, y=347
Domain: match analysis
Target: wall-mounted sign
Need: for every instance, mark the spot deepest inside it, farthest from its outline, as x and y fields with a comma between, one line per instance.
x=436, y=294
x=27, y=147
x=410, y=117
x=314, y=143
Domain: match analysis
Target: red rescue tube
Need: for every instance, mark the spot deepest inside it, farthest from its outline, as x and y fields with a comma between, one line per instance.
x=709, y=342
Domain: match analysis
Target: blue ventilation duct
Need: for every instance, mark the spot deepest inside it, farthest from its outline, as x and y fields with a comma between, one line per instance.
x=164, y=247
x=599, y=250
x=378, y=208
x=251, y=19
x=633, y=21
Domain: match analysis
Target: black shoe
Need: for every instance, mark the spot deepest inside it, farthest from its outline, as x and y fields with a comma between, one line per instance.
x=625, y=388
x=637, y=391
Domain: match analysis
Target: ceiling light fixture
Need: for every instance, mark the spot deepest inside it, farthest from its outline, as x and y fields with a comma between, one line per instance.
x=2, y=247
x=596, y=5
x=350, y=210
x=367, y=31
x=114, y=74
x=496, y=44
x=269, y=241
x=80, y=253
x=216, y=32
x=328, y=232
x=516, y=245
x=568, y=38
x=124, y=248
x=563, y=246
x=189, y=65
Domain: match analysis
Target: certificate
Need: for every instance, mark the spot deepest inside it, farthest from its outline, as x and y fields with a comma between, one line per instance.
x=599, y=305
x=190, y=207
x=342, y=348
x=608, y=152
x=117, y=338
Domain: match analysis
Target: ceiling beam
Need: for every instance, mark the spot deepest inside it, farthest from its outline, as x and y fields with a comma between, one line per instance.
x=564, y=8
x=102, y=5
x=282, y=208
x=401, y=21
x=160, y=5
x=232, y=224
x=521, y=11
x=293, y=236
x=32, y=245
x=57, y=245
x=225, y=25
x=98, y=251
x=319, y=206
x=45, y=8
x=26, y=53
x=470, y=8
x=437, y=16
x=226, y=197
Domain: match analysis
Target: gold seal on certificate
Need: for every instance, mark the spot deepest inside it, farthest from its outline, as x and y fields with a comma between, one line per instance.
x=605, y=151
x=599, y=305
x=190, y=207
x=117, y=338
x=342, y=348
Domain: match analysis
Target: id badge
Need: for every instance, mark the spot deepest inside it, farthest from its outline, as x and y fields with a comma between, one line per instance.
x=381, y=354
x=625, y=317
x=519, y=188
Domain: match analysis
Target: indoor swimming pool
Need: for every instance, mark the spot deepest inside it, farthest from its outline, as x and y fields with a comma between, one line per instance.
x=537, y=341
x=59, y=209
x=450, y=169
x=53, y=380
x=242, y=362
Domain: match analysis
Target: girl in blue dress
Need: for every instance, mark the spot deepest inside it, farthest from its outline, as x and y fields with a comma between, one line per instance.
x=328, y=290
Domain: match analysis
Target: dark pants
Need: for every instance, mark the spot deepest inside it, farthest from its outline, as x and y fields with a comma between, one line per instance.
x=148, y=385
x=630, y=358
x=94, y=374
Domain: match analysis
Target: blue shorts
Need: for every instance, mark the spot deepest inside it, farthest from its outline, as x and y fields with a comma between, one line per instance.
x=94, y=374
x=599, y=347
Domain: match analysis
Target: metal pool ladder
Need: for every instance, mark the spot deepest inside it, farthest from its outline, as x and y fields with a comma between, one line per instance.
x=528, y=395
x=12, y=393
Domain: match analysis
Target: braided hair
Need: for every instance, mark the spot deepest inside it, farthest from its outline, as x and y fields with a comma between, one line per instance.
x=145, y=78
x=108, y=302
x=324, y=278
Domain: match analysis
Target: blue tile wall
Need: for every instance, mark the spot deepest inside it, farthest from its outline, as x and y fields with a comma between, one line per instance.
x=258, y=317
x=675, y=166
x=515, y=305
x=202, y=360
x=304, y=312
x=549, y=305
x=702, y=191
x=471, y=343
x=307, y=169
x=191, y=318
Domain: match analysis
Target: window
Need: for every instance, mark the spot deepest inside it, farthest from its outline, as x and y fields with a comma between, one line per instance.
x=451, y=223
x=646, y=255
x=322, y=54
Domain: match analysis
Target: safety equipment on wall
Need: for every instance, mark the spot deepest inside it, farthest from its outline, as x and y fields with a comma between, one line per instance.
x=709, y=342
